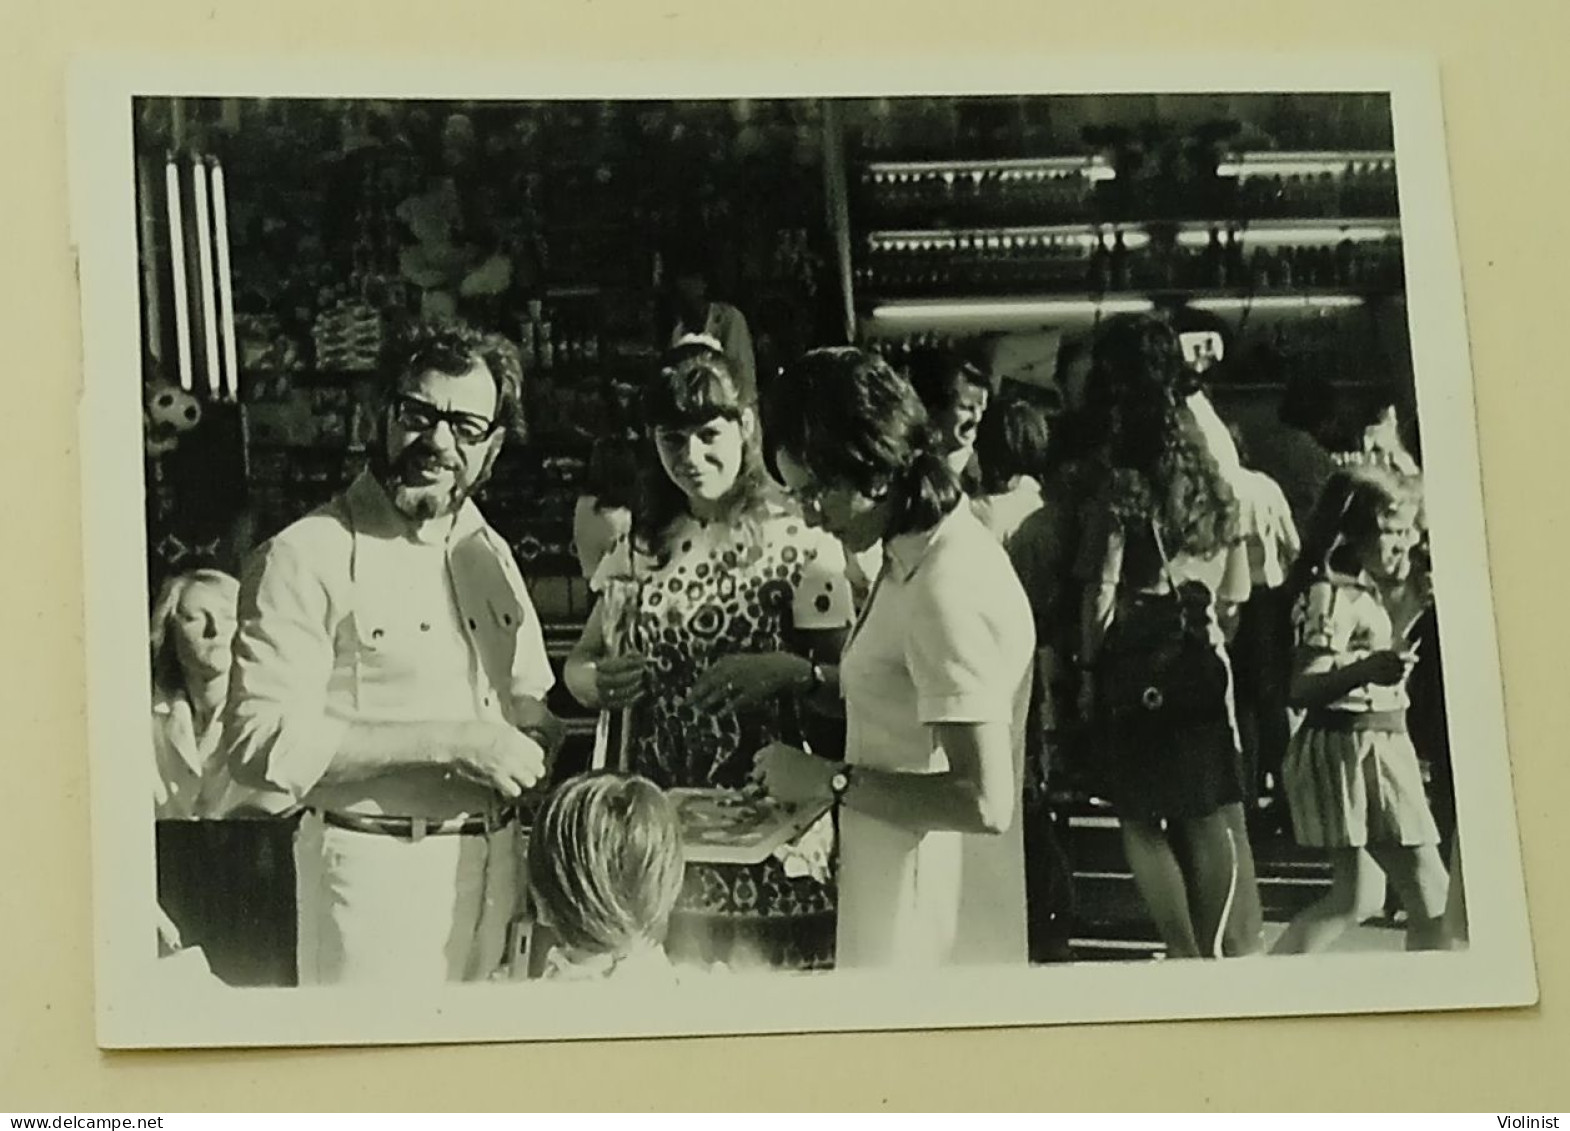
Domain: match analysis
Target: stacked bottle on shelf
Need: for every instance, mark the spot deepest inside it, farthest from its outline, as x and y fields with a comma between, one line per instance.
x=1228, y=260
x=347, y=335
x=1010, y=227
x=975, y=262
x=892, y=196
x=549, y=342
x=1365, y=188
x=1116, y=258
x=1349, y=265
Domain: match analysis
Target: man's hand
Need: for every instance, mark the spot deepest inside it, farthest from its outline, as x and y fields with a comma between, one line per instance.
x=549, y=731
x=503, y=758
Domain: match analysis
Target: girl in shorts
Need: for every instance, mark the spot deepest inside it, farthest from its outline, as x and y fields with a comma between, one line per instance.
x=1353, y=780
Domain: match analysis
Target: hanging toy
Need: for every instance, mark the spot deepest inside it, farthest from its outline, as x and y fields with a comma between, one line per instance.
x=169, y=412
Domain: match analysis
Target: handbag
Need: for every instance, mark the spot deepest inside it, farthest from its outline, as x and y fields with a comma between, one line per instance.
x=1159, y=665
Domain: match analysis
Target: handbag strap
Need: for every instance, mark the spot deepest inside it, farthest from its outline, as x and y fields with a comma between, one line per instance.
x=1166, y=562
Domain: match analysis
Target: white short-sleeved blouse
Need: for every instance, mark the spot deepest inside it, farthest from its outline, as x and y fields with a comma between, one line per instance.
x=946, y=638
x=1348, y=617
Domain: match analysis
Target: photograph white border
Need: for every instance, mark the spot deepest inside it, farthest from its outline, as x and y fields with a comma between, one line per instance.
x=134, y=1006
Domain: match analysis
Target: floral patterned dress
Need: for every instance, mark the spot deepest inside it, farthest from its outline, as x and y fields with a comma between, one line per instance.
x=723, y=589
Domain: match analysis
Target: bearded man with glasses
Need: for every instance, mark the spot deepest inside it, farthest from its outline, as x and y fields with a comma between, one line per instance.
x=390, y=675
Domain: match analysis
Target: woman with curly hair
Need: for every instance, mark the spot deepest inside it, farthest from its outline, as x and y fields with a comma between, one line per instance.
x=712, y=617
x=1166, y=537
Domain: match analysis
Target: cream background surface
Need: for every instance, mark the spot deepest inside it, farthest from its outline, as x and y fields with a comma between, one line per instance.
x=1504, y=88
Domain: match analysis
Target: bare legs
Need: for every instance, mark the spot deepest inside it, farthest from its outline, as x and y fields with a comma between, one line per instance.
x=1190, y=905
x=1456, y=931
x=1420, y=879
x=1243, y=932
x=1357, y=892
x=1161, y=885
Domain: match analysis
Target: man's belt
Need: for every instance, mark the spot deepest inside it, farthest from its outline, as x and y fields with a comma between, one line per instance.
x=418, y=828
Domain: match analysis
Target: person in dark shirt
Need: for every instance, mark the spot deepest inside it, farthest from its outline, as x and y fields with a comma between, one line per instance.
x=1293, y=454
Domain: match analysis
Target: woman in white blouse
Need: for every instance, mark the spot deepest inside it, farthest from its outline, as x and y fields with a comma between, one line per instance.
x=935, y=677
x=191, y=634
x=212, y=872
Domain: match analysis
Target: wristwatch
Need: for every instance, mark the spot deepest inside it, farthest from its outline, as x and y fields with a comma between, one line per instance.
x=840, y=782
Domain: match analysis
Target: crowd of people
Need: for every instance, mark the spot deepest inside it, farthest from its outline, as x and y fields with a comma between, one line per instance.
x=898, y=594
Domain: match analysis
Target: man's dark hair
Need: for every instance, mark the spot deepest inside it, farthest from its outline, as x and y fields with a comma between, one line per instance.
x=454, y=349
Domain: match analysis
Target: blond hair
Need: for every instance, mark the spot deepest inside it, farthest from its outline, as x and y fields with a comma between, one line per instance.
x=167, y=676
x=605, y=863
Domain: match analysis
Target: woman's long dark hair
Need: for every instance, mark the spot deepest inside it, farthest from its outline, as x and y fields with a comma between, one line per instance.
x=1011, y=440
x=1163, y=469
x=693, y=386
x=846, y=416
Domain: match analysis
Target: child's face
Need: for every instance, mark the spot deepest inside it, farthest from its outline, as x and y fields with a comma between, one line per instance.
x=1388, y=556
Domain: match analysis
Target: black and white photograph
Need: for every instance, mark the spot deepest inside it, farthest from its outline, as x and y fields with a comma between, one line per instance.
x=644, y=552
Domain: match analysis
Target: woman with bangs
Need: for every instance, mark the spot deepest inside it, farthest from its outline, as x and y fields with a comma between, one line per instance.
x=714, y=617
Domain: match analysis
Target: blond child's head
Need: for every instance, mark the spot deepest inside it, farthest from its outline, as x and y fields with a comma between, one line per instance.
x=605, y=864
x=1369, y=520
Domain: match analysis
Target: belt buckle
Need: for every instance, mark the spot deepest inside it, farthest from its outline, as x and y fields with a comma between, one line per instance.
x=417, y=829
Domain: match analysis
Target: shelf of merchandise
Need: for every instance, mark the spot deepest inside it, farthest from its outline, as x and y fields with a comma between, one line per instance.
x=1092, y=167
x=970, y=278
x=1267, y=163
x=1138, y=234
x=980, y=314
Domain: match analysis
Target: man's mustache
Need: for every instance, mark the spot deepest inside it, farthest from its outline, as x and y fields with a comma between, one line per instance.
x=426, y=457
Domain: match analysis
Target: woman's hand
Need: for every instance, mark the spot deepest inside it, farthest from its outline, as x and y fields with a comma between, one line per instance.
x=619, y=681
x=741, y=680
x=794, y=776
x=1386, y=668
x=168, y=933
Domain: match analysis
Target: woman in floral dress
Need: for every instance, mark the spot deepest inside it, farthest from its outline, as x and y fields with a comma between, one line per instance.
x=712, y=615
